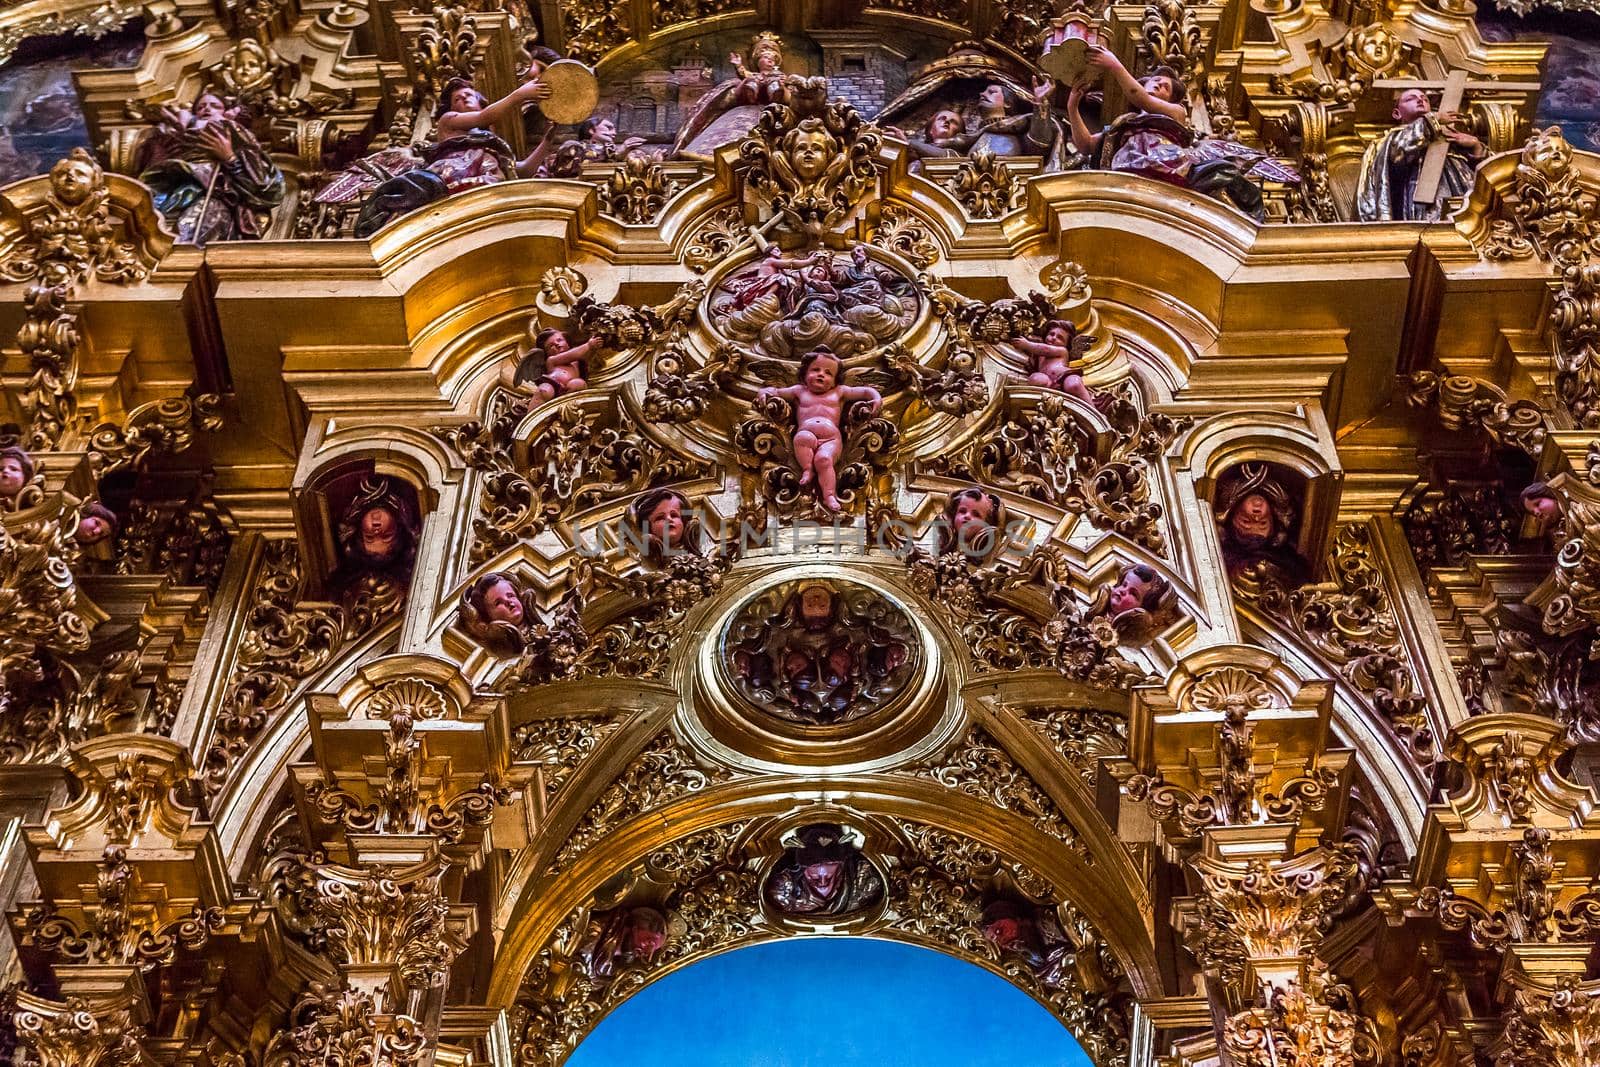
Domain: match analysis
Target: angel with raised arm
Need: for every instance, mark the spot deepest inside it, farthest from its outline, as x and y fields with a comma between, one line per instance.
x=819, y=403
x=1057, y=358
x=553, y=365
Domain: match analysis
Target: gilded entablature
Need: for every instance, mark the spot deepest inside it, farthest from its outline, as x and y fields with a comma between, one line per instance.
x=500, y=502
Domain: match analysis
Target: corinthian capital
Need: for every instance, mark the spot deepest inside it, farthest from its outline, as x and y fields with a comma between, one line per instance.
x=1261, y=919
x=79, y=1032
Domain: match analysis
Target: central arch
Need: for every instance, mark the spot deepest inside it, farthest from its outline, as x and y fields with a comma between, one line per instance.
x=810, y=1002
x=836, y=1001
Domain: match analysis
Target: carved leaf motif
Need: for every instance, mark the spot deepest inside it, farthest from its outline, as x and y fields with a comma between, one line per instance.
x=905, y=235
x=1350, y=621
x=637, y=191
x=560, y=746
x=1042, y=450
x=74, y=234
x=283, y=643
x=979, y=767
x=1081, y=736
x=660, y=774
x=985, y=186
x=574, y=460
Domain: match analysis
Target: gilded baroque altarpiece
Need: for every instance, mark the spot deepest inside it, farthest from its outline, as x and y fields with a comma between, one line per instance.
x=458, y=565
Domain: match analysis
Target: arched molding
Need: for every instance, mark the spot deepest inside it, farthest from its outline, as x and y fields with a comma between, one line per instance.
x=406, y=451
x=1296, y=438
x=1123, y=921
x=246, y=802
x=545, y=898
x=1007, y=970
x=1165, y=249
x=1399, y=786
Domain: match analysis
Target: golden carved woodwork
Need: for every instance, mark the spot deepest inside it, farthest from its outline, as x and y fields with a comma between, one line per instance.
x=291, y=802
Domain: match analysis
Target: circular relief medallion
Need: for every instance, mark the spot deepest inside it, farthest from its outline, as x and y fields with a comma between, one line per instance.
x=820, y=652
x=784, y=305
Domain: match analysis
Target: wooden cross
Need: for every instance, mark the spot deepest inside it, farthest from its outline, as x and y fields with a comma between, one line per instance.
x=1454, y=88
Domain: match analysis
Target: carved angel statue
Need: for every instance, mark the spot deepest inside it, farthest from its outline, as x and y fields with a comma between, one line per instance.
x=787, y=305
x=823, y=873
x=678, y=569
x=1155, y=139
x=961, y=572
x=552, y=364
x=1082, y=647
x=1392, y=166
x=1032, y=934
x=97, y=524
x=819, y=401
x=502, y=615
x=623, y=937
x=465, y=154
x=75, y=234
x=16, y=476
x=1140, y=602
x=841, y=447
x=1258, y=521
x=970, y=102
x=1056, y=358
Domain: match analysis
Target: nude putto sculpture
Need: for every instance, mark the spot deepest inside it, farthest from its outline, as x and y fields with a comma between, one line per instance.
x=819, y=402
x=1056, y=358
x=553, y=365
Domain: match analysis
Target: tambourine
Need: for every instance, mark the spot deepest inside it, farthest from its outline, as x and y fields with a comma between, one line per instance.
x=574, y=92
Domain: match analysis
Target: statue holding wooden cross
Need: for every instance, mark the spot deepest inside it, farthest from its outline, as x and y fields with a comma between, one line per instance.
x=1409, y=173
